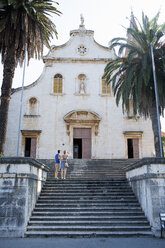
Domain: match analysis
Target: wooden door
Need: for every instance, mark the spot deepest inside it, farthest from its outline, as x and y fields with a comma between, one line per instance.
x=33, y=147
x=86, y=142
x=136, y=148
x=85, y=135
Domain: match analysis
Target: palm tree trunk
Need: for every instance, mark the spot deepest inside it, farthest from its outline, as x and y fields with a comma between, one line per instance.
x=8, y=74
x=155, y=129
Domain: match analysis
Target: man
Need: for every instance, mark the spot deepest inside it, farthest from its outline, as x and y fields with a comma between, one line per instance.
x=57, y=164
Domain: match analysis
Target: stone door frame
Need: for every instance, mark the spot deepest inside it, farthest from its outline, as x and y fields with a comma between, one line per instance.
x=34, y=135
x=82, y=119
x=135, y=135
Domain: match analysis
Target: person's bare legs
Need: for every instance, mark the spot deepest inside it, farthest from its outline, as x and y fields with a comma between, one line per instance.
x=62, y=173
x=65, y=173
x=56, y=172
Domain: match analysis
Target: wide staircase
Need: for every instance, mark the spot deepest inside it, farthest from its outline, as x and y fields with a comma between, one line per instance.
x=94, y=201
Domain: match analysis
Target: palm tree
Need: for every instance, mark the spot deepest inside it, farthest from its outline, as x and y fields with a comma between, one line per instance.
x=24, y=24
x=131, y=75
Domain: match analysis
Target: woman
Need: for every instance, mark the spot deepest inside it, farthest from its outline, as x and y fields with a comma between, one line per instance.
x=64, y=165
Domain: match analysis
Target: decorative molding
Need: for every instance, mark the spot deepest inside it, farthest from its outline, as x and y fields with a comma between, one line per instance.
x=81, y=94
x=105, y=95
x=76, y=60
x=133, y=134
x=82, y=117
x=31, y=133
x=31, y=116
x=57, y=94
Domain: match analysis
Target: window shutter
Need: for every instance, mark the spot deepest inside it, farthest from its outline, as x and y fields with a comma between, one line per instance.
x=58, y=84
x=55, y=90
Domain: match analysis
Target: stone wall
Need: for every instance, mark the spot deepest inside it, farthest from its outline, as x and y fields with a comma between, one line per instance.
x=147, y=178
x=21, y=181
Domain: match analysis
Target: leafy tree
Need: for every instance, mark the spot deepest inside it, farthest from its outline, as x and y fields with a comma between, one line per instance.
x=24, y=24
x=163, y=143
x=131, y=74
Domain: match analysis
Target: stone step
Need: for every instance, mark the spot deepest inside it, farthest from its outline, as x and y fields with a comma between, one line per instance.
x=87, y=193
x=65, y=184
x=86, y=209
x=71, y=201
x=89, y=234
x=86, y=181
x=89, y=223
x=77, y=218
x=88, y=213
x=78, y=204
x=97, y=176
x=83, y=187
x=88, y=228
x=94, y=170
x=77, y=198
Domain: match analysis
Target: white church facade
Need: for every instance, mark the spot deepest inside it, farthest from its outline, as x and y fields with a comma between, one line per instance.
x=70, y=108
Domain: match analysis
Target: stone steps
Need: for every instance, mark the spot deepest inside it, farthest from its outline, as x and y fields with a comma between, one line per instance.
x=94, y=201
x=93, y=168
x=97, y=209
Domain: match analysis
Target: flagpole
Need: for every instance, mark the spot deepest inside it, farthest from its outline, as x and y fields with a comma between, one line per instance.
x=157, y=101
x=20, y=113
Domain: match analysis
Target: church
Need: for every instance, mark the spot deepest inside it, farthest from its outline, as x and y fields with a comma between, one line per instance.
x=71, y=108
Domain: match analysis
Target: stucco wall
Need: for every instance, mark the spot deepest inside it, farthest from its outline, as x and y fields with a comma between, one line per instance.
x=110, y=141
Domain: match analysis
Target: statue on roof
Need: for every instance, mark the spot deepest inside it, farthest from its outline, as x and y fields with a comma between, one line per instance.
x=82, y=19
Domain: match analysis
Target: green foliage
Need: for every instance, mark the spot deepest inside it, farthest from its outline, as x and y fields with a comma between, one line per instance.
x=130, y=73
x=163, y=141
x=1, y=155
x=26, y=22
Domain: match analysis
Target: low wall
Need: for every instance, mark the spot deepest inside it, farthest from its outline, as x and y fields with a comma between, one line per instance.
x=21, y=181
x=147, y=179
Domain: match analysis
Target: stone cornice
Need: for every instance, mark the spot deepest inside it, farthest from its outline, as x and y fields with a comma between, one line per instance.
x=76, y=60
x=22, y=160
x=145, y=161
x=147, y=176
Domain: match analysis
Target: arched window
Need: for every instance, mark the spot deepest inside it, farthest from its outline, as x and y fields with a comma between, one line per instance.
x=33, y=106
x=58, y=84
x=106, y=89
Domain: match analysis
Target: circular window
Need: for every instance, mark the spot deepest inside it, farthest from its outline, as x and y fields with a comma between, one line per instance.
x=82, y=50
